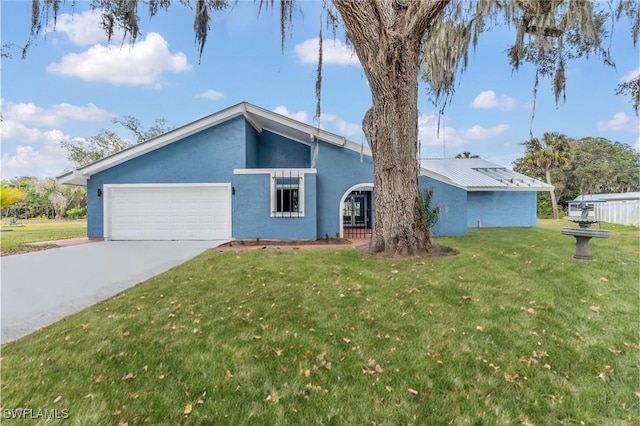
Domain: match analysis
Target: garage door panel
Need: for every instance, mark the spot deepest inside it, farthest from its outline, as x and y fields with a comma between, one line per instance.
x=169, y=213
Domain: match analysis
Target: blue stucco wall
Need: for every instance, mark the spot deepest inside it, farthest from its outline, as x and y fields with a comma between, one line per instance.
x=501, y=209
x=253, y=146
x=453, y=207
x=207, y=156
x=338, y=170
x=277, y=151
x=252, y=210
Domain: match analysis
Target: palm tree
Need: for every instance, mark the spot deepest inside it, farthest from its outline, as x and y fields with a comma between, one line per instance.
x=553, y=151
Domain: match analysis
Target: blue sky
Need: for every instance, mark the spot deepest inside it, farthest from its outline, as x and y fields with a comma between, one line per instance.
x=73, y=83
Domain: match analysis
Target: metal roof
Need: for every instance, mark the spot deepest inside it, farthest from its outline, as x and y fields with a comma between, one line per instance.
x=477, y=174
x=619, y=196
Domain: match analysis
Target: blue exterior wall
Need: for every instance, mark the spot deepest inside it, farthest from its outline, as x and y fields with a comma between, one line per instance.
x=453, y=207
x=277, y=151
x=253, y=146
x=501, y=208
x=252, y=211
x=207, y=156
x=338, y=170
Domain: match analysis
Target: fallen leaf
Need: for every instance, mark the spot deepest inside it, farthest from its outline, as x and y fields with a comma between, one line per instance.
x=188, y=409
x=595, y=308
x=126, y=333
x=580, y=337
x=466, y=298
x=615, y=351
x=479, y=328
x=547, y=367
x=603, y=279
x=58, y=398
x=129, y=376
x=88, y=396
x=346, y=340
x=412, y=391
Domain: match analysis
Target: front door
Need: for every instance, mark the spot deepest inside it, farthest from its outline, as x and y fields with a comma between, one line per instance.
x=356, y=214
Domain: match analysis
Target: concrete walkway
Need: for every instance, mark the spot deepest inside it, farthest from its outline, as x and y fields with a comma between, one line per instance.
x=42, y=287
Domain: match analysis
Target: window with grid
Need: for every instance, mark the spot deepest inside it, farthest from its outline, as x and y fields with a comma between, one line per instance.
x=287, y=198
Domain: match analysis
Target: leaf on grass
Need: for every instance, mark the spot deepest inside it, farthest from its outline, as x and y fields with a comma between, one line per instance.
x=511, y=378
x=85, y=326
x=125, y=333
x=637, y=394
x=88, y=396
x=129, y=376
x=466, y=298
x=603, y=279
x=547, y=367
x=188, y=409
x=372, y=367
x=580, y=337
x=479, y=328
x=346, y=340
x=595, y=308
x=524, y=420
x=412, y=391
x=58, y=398
x=615, y=351
x=228, y=374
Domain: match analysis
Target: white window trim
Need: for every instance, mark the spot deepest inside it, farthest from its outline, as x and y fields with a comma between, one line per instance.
x=274, y=197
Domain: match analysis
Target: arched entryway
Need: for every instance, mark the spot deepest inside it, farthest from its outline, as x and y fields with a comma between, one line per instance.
x=356, y=212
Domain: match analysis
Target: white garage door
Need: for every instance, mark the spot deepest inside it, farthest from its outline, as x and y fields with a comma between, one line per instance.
x=168, y=212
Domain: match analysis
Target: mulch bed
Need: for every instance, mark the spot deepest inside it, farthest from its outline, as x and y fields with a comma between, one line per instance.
x=274, y=244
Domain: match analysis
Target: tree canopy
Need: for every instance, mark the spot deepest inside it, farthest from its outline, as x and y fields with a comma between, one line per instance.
x=108, y=142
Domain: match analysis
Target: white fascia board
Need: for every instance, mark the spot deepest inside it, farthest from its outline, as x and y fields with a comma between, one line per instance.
x=297, y=125
x=272, y=170
x=163, y=140
x=72, y=178
x=508, y=188
x=252, y=120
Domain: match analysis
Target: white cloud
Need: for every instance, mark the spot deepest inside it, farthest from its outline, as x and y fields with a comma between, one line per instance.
x=619, y=122
x=300, y=115
x=83, y=29
x=38, y=154
x=333, y=52
x=210, y=94
x=27, y=112
x=343, y=127
x=429, y=136
x=488, y=99
x=140, y=64
x=630, y=75
x=478, y=132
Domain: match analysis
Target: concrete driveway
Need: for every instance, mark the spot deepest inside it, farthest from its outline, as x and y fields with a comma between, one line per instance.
x=40, y=288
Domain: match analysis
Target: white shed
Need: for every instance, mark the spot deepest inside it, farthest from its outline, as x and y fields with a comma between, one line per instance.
x=621, y=208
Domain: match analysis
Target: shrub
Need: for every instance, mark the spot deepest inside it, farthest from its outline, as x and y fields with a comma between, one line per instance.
x=77, y=213
x=431, y=211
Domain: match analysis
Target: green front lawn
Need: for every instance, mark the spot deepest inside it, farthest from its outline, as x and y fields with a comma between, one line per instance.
x=510, y=331
x=17, y=239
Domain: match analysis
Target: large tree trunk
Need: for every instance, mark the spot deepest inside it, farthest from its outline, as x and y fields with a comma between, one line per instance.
x=387, y=36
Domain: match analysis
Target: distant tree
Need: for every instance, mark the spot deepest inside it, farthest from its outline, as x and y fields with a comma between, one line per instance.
x=395, y=40
x=551, y=152
x=107, y=142
x=602, y=166
x=466, y=154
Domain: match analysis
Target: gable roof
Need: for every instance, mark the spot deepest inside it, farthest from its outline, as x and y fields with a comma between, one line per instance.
x=477, y=174
x=260, y=118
